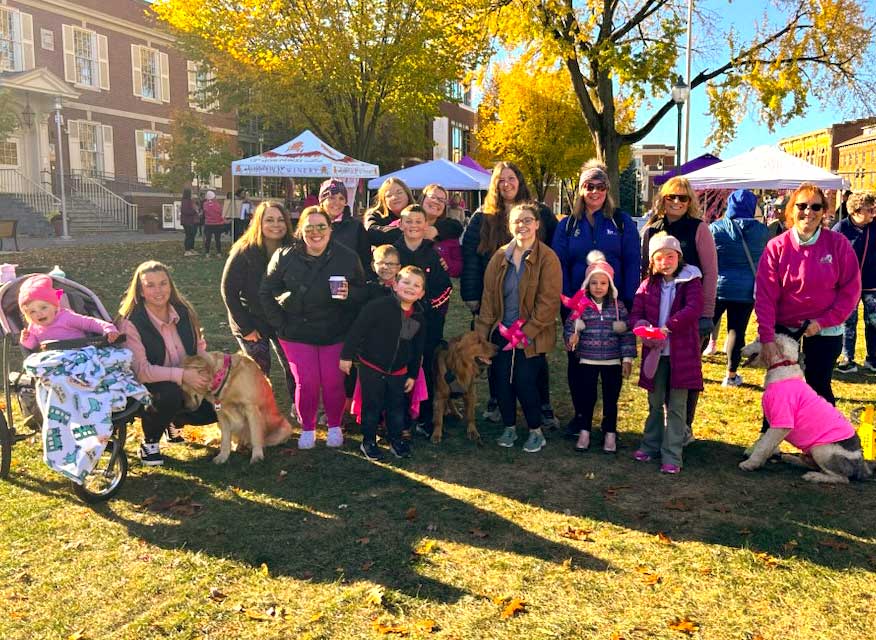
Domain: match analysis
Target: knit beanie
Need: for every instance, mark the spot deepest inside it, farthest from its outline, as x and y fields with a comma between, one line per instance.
x=595, y=174
x=39, y=287
x=597, y=263
x=210, y=195
x=663, y=240
x=331, y=187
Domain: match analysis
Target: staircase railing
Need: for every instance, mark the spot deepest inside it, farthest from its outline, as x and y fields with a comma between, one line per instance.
x=108, y=204
x=35, y=196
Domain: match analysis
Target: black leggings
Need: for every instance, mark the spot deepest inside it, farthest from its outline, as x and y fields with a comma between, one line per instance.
x=585, y=392
x=516, y=379
x=189, y=241
x=167, y=407
x=738, y=314
x=213, y=231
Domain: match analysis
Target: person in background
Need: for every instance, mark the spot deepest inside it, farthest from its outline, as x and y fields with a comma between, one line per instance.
x=486, y=233
x=842, y=211
x=859, y=229
x=188, y=218
x=243, y=213
x=241, y=279
x=382, y=220
x=214, y=224
x=739, y=240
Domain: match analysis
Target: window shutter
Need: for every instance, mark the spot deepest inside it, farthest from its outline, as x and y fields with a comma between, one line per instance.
x=141, y=156
x=69, y=55
x=27, y=41
x=165, y=77
x=192, y=70
x=136, y=72
x=73, y=145
x=109, y=162
x=103, y=63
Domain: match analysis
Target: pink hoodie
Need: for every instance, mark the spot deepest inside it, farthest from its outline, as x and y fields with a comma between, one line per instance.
x=794, y=283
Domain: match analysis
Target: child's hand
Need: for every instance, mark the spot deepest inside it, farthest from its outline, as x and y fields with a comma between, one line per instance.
x=409, y=385
x=626, y=369
x=112, y=336
x=345, y=366
x=572, y=343
x=25, y=335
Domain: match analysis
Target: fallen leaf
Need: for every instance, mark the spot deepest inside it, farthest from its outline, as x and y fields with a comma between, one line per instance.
x=411, y=514
x=263, y=569
x=77, y=635
x=684, y=625
x=179, y=506
x=651, y=579
x=216, y=595
x=425, y=547
x=663, y=538
x=567, y=564
x=770, y=561
x=515, y=606
x=478, y=533
x=573, y=533
x=616, y=636
x=258, y=615
x=73, y=545
x=833, y=544
x=367, y=565
x=611, y=492
x=316, y=617
x=721, y=508
x=374, y=596
x=790, y=545
x=385, y=629
x=676, y=505
x=425, y=625
x=363, y=540
x=705, y=571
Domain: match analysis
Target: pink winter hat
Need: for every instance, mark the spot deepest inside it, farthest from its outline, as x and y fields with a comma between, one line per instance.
x=39, y=287
x=596, y=263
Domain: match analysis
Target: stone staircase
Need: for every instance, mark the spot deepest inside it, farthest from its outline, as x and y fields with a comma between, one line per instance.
x=30, y=222
x=84, y=218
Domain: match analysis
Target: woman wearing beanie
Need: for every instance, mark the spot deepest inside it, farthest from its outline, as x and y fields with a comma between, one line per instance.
x=594, y=224
x=739, y=241
x=346, y=229
x=598, y=335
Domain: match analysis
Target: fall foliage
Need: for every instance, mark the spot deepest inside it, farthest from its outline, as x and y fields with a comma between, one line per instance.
x=192, y=152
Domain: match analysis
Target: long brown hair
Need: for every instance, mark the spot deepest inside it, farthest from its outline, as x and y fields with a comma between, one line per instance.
x=381, y=205
x=669, y=187
x=808, y=189
x=494, y=225
x=254, y=236
x=134, y=294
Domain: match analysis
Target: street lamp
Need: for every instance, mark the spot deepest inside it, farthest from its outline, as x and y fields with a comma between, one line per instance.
x=680, y=92
x=638, y=192
x=59, y=156
x=261, y=148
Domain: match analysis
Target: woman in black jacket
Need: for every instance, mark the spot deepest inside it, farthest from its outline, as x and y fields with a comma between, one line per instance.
x=345, y=228
x=245, y=268
x=312, y=292
x=381, y=221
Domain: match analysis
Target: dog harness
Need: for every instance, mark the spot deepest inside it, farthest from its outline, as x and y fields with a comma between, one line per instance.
x=219, y=380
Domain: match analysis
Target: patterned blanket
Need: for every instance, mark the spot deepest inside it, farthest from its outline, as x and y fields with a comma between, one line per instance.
x=77, y=391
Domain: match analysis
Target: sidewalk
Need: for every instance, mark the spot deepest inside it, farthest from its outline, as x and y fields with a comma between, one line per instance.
x=123, y=237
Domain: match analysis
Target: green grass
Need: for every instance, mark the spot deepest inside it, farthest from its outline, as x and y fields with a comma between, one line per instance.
x=323, y=544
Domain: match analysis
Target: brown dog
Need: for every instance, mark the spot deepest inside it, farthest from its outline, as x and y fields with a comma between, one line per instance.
x=244, y=400
x=457, y=367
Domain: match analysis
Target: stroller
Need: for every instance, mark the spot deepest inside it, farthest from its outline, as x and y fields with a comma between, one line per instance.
x=111, y=469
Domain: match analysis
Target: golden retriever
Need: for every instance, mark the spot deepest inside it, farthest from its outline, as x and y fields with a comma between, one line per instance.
x=457, y=368
x=245, y=404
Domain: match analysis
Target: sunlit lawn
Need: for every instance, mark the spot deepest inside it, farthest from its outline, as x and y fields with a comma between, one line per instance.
x=323, y=544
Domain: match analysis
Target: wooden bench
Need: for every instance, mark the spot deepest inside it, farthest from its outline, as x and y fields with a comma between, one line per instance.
x=9, y=229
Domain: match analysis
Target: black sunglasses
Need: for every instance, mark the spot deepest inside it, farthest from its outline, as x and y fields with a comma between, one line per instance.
x=802, y=206
x=678, y=197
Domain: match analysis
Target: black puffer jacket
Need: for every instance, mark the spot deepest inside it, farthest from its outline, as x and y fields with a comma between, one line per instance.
x=296, y=297
x=382, y=228
x=385, y=337
x=241, y=279
x=349, y=232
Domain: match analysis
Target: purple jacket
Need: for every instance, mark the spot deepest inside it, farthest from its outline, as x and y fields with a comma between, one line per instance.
x=686, y=370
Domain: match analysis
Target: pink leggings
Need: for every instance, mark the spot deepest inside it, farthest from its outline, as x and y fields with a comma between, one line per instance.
x=316, y=367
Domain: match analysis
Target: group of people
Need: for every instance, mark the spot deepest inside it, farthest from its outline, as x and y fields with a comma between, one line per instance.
x=354, y=312
x=205, y=215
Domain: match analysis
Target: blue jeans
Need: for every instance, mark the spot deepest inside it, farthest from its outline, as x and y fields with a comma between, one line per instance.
x=850, y=332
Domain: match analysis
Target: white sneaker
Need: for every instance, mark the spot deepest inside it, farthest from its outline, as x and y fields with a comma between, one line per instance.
x=711, y=348
x=307, y=439
x=335, y=437
x=732, y=382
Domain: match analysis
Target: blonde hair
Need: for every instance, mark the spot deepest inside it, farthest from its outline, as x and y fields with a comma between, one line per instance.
x=134, y=294
x=669, y=187
x=382, y=251
x=381, y=205
x=411, y=270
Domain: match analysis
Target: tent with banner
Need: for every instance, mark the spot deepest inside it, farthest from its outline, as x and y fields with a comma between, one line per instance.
x=454, y=177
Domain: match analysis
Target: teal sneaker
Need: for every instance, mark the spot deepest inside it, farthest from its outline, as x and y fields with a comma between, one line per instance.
x=535, y=442
x=508, y=437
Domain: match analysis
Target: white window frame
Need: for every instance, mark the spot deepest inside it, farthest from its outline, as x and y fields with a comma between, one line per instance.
x=199, y=79
x=104, y=161
x=19, y=42
x=162, y=73
x=143, y=164
x=98, y=59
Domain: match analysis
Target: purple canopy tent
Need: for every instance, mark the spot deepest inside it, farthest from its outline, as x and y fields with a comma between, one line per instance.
x=700, y=162
x=471, y=163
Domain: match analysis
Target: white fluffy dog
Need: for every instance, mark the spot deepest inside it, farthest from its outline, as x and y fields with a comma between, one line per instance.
x=830, y=446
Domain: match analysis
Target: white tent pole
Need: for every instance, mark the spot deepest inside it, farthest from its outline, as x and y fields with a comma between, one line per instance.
x=232, y=206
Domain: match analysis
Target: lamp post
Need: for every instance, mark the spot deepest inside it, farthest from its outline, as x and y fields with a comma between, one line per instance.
x=680, y=92
x=638, y=192
x=261, y=145
x=59, y=157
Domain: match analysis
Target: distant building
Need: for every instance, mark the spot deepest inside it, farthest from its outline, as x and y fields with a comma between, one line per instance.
x=453, y=131
x=857, y=160
x=651, y=160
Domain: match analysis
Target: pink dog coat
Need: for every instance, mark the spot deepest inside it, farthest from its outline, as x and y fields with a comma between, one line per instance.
x=793, y=404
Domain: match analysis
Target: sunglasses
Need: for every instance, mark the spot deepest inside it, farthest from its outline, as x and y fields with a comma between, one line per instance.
x=677, y=197
x=319, y=228
x=802, y=206
x=595, y=186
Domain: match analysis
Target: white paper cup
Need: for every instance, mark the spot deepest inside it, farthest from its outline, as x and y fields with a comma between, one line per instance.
x=335, y=284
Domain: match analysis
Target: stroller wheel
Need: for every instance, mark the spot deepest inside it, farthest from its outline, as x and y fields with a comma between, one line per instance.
x=5, y=446
x=107, y=477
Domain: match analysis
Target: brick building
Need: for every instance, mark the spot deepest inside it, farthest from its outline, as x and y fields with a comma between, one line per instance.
x=453, y=130
x=651, y=160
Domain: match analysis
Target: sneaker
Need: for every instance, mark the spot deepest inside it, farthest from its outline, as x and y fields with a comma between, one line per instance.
x=423, y=429
x=735, y=381
x=335, y=437
x=711, y=349
x=174, y=434
x=869, y=366
x=671, y=469
x=307, y=440
x=371, y=451
x=492, y=413
x=548, y=419
x=508, y=437
x=641, y=456
x=535, y=442
x=400, y=449
x=847, y=366
x=150, y=454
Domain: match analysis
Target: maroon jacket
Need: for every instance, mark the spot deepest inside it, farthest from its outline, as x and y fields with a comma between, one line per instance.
x=686, y=371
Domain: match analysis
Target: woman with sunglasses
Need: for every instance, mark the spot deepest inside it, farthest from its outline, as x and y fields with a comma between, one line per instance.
x=677, y=212
x=311, y=293
x=808, y=281
x=595, y=223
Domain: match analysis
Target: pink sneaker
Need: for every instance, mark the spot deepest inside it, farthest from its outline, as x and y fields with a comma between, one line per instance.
x=670, y=469
x=641, y=456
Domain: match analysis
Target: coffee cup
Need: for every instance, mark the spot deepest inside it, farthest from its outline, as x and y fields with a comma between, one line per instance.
x=336, y=283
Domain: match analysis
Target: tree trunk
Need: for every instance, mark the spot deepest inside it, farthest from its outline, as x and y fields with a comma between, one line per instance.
x=607, y=144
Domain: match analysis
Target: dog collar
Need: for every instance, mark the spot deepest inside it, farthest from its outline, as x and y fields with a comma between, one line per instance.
x=221, y=376
x=783, y=363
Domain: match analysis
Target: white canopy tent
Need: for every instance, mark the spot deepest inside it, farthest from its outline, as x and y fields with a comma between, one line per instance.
x=763, y=167
x=451, y=176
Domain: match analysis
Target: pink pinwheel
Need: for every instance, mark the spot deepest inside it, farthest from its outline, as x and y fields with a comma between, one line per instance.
x=578, y=303
x=649, y=332
x=514, y=334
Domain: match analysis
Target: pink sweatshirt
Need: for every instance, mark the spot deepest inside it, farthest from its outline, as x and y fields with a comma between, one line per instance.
x=68, y=325
x=174, y=352
x=794, y=283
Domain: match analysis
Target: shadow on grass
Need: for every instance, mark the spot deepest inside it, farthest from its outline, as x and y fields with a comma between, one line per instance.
x=334, y=516
x=711, y=501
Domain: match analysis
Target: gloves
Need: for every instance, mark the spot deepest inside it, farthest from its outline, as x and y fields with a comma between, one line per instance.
x=706, y=327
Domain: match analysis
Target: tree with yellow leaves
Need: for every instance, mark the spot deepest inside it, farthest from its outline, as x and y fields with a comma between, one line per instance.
x=339, y=67
x=798, y=49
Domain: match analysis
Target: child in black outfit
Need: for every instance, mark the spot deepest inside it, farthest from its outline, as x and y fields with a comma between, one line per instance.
x=385, y=263
x=387, y=340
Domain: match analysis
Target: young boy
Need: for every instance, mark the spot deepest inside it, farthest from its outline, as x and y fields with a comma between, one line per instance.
x=387, y=340
x=385, y=263
x=414, y=249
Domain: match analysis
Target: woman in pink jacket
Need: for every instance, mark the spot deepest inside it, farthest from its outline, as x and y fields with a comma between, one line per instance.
x=808, y=280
